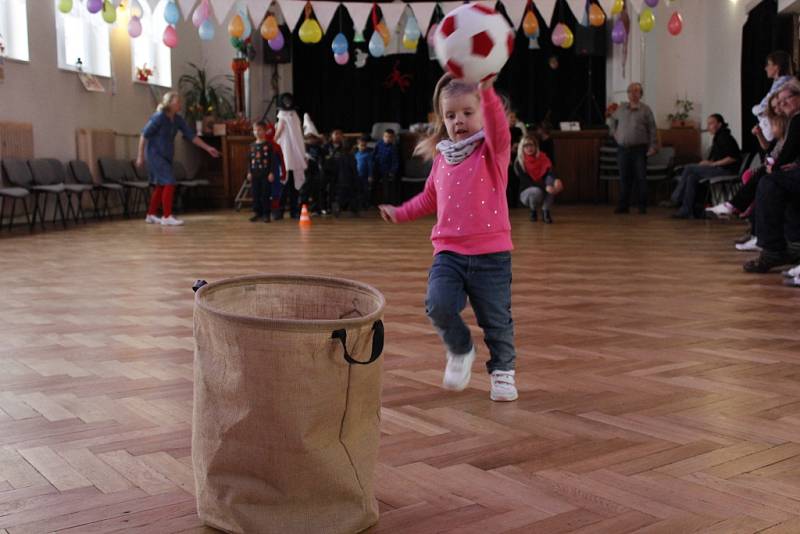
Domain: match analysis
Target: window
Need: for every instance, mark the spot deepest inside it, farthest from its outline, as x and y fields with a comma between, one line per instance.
x=148, y=49
x=83, y=37
x=14, y=14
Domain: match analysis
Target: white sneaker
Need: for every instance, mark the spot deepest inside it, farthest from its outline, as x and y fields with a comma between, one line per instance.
x=171, y=221
x=794, y=272
x=723, y=210
x=152, y=219
x=503, y=388
x=749, y=245
x=458, y=370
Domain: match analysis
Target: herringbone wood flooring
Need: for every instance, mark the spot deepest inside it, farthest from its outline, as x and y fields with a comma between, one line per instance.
x=660, y=385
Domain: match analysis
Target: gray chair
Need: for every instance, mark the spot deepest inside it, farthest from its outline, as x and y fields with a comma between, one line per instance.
x=122, y=172
x=660, y=166
x=138, y=186
x=82, y=182
x=82, y=174
x=186, y=186
x=415, y=173
x=379, y=127
x=722, y=188
x=47, y=183
x=15, y=193
x=74, y=191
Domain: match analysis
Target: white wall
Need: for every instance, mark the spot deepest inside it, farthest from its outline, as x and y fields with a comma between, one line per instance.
x=703, y=62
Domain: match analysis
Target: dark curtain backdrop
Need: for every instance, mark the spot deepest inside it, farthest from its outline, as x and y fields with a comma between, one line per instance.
x=763, y=32
x=354, y=98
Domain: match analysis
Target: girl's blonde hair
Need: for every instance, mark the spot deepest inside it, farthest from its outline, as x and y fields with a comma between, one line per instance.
x=778, y=120
x=167, y=99
x=446, y=86
x=526, y=139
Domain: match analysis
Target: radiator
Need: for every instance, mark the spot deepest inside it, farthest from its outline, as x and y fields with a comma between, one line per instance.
x=92, y=144
x=16, y=140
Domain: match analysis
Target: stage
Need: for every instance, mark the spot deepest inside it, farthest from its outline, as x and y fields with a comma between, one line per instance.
x=658, y=383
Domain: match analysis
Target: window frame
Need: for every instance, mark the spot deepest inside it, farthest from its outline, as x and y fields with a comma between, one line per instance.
x=21, y=15
x=97, y=62
x=153, y=25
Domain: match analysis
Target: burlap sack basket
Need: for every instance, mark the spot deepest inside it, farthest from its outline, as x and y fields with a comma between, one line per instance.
x=287, y=382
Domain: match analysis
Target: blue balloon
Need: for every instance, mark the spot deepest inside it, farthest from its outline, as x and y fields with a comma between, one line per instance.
x=340, y=44
x=376, y=46
x=172, y=14
x=206, y=30
x=412, y=32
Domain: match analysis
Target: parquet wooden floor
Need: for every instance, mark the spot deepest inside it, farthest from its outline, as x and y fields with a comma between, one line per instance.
x=660, y=385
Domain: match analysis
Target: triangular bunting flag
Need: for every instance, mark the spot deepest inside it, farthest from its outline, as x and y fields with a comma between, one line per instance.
x=324, y=12
x=607, y=6
x=359, y=13
x=515, y=11
x=392, y=13
x=578, y=8
x=546, y=9
x=292, y=10
x=637, y=6
x=423, y=11
x=186, y=7
x=447, y=7
x=258, y=9
x=221, y=9
x=153, y=4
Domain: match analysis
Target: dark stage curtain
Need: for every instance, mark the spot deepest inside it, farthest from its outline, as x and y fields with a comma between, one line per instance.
x=353, y=98
x=764, y=32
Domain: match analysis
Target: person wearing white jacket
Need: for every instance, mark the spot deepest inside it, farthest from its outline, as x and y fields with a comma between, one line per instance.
x=289, y=135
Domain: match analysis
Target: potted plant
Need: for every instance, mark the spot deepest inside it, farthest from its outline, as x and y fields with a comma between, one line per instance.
x=680, y=118
x=204, y=98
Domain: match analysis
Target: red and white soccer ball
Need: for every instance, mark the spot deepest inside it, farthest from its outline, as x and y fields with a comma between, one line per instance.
x=473, y=42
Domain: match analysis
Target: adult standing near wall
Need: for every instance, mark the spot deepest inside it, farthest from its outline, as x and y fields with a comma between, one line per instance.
x=289, y=135
x=634, y=128
x=779, y=69
x=157, y=141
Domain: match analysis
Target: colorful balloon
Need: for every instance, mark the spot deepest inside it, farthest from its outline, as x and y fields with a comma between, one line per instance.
x=619, y=34
x=94, y=6
x=135, y=27
x=200, y=14
x=277, y=42
x=310, y=31
x=619, y=5
x=651, y=3
x=339, y=44
x=236, y=26
x=647, y=20
x=206, y=30
x=559, y=34
x=596, y=16
x=530, y=24
x=675, y=25
x=171, y=13
x=569, y=38
x=342, y=59
x=269, y=28
x=376, y=46
x=109, y=12
x=65, y=6
x=170, y=37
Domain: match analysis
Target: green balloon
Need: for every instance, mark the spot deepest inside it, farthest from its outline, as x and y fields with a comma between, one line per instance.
x=109, y=12
x=65, y=6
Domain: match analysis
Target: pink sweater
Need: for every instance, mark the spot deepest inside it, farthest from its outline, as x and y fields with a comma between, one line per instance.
x=470, y=198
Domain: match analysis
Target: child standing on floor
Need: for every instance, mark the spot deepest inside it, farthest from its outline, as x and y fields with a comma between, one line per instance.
x=386, y=167
x=262, y=159
x=364, y=157
x=472, y=235
x=537, y=185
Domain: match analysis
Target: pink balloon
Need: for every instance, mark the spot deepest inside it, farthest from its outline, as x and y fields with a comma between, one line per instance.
x=675, y=25
x=171, y=37
x=559, y=34
x=135, y=27
x=200, y=15
x=342, y=59
x=277, y=43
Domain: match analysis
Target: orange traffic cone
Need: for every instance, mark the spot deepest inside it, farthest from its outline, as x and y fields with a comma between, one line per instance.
x=305, y=220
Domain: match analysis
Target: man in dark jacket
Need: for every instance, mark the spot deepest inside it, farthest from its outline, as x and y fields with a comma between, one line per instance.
x=723, y=159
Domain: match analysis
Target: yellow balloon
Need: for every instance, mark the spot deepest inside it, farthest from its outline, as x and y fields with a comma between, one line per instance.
x=619, y=5
x=529, y=24
x=569, y=38
x=408, y=43
x=310, y=31
x=236, y=27
x=269, y=28
x=647, y=20
x=596, y=16
x=384, y=31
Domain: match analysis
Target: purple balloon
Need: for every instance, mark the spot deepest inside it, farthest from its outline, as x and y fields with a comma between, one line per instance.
x=277, y=42
x=651, y=3
x=94, y=6
x=618, y=34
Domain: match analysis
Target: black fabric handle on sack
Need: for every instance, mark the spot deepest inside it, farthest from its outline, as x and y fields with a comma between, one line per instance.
x=377, y=343
x=198, y=284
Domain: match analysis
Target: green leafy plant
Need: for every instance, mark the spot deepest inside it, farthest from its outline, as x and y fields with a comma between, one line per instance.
x=682, y=110
x=206, y=96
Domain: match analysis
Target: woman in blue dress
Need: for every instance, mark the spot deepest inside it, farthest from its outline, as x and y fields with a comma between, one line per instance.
x=158, y=143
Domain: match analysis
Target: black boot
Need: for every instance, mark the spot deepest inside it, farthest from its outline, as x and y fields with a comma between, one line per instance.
x=533, y=215
x=767, y=260
x=546, y=217
x=254, y=218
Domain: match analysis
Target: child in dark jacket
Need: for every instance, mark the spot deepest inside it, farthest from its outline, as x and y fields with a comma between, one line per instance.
x=364, y=164
x=340, y=171
x=537, y=185
x=260, y=172
x=386, y=168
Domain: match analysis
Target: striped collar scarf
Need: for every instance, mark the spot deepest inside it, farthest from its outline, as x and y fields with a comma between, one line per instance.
x=455, y=153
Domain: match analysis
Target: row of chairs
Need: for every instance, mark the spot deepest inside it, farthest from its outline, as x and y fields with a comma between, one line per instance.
x=45, y=178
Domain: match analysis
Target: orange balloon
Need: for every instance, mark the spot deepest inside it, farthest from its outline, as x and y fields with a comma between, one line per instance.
x=269, y=28
x=236, y=27
x=596, y=16
x=530, y=25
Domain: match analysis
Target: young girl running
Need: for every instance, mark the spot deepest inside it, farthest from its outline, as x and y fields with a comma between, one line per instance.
x=472, y=236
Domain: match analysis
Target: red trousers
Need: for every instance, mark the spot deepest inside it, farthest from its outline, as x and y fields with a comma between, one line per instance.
x=162, y=196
